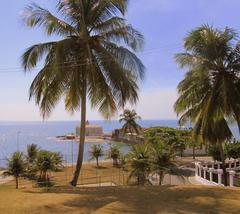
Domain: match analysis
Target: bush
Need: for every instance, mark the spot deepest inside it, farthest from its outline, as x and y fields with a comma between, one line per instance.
x=114, y=153
x=233, y=149
x=96, y=152
x=214, y=152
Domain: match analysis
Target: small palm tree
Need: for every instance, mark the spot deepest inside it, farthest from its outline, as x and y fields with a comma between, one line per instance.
x=31, y=158
x=139, y=161
x=32, y=151
x=162, y=160
x=48, y=162
x=96, y=152
x=16, y=166
x=94, y=59
x=114, y=153
x=129, y=118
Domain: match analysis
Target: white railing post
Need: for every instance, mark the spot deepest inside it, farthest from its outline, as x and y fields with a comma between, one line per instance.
x=200, y=170
x=231, y=176
x=230, y=164
x=204, y=172
x=213, y=164
x=220, y=172
x=211, y=170
x=196, y=169
x=235, y=163
x=218, y=164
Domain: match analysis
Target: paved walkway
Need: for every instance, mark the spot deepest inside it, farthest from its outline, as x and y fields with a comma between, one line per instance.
x=5, y=179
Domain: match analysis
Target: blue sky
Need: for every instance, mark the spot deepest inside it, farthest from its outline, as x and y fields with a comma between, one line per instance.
x=164, y=24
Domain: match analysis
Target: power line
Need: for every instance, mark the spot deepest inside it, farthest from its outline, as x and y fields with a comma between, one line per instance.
x=20, y=69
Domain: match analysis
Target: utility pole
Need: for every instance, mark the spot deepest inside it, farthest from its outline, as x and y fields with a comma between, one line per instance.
x=18, y=133
x=72, y=156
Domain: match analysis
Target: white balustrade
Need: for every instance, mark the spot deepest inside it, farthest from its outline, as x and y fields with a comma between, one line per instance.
x=196, y=169
x=201, y=169
x=231, y=178
x=220, y=172
x=211, y=170
x=235, y=163
x=230, y=164
x=204, y=172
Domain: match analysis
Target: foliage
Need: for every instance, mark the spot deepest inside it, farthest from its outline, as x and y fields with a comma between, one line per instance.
x=114, y=153
x=96, y=152
x=122, y=161
x=32, y=151
x=139, y=161
x=162, y=160
x=211, y=88
x=16, y=166
x=31, y=158
x=129, y=118
x=173, y=138
x=48, y=161
x=233, y=149
x=94, y=57
x=214, y=152
x=210, y=91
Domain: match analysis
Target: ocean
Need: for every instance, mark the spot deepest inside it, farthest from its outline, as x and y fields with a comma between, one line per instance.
x=17, y=135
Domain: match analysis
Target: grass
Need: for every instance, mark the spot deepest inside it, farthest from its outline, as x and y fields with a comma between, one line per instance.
x=187, y=199
x=119, y=199
x=106, y=173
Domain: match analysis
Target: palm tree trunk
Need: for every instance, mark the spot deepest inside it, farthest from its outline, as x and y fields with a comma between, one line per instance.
x=97, y=162
x=81, y=141
x=16, y=178
x=223, y=164
x=238, y=123
x=194, y=152
x=160, y=178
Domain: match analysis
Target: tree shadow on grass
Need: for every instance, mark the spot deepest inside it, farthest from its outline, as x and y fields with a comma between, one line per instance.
x=166, y=199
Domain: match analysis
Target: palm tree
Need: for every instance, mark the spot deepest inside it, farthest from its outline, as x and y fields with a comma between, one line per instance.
x=94, y=60
x=162, y=160
x=139, y=161
x=114, y=153
x=16, y=166
x=96, y=152
x=129, y=118
x=32, y=151
x=31, y=157
x=210, y=93
x=48, y=161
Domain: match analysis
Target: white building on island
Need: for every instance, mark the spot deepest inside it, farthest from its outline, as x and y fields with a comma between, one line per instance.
x=91, y=130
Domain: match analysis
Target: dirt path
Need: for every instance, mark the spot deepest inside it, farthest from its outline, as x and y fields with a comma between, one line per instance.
x=5, y=179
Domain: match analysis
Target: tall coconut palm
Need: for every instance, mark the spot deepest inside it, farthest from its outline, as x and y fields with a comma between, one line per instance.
x=129, y=118
x=94, y=59
x=209, y=96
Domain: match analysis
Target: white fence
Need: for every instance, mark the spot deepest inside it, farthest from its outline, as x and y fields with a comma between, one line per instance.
x=211, y=173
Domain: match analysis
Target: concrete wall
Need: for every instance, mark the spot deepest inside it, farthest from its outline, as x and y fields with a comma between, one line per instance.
x=91, y=131
x=198, y=151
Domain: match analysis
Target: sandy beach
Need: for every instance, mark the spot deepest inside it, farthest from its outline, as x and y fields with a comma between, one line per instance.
x=87, y=140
